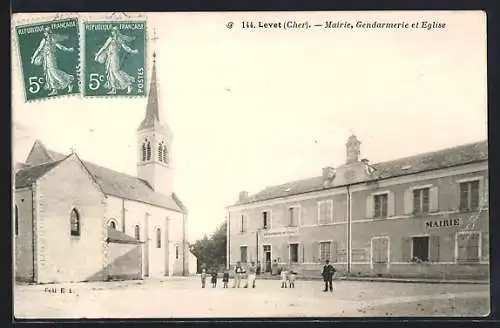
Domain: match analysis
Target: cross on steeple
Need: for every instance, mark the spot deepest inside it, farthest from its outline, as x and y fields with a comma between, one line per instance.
x=154, y=39
x=72, y=149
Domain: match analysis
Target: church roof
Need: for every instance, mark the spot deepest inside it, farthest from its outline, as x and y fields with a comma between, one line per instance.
x=113, y=183
x=441, y=159
x=116, y=236
x=26, y=176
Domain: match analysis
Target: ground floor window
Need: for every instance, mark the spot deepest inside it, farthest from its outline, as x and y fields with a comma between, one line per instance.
x=243, y=254
x=420, y=247
x=324, y=250
x=468, y=246
x=177, y=252
x=294, y=253
x=380, y=249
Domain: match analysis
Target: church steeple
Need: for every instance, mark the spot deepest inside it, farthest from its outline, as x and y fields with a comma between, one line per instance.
x=152, y=117
x=154, y=143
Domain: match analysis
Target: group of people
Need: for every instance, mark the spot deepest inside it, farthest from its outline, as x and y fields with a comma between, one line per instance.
x=246, y=276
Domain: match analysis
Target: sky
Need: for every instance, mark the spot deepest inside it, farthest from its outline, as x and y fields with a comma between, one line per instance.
x=251, y=108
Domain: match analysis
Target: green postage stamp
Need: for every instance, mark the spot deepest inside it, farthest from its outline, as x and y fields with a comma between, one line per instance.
x=50, y=58
x=114, y=58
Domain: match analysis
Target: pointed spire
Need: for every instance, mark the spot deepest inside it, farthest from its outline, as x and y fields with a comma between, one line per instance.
x=152, y=108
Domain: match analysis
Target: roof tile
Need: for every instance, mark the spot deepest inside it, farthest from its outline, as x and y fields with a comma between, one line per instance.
x=460, y=155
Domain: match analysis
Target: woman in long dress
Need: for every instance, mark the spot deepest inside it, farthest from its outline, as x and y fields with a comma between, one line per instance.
x=109, y=54
x=45, y=55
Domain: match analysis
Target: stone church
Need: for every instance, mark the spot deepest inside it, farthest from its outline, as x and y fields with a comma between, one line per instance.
x=78, y=221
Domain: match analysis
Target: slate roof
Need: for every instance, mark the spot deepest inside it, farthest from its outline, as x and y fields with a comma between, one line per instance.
x=445, y=158
x=26, y=176
x=116, y=236
x=116, y=184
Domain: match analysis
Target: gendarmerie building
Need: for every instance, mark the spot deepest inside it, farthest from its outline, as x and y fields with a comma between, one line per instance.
x=422, y=216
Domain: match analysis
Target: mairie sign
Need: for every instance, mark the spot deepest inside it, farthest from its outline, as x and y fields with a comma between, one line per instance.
x=289, y=231
x=442, y=223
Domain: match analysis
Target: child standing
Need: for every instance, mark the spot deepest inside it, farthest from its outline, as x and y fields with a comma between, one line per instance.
x=284, y=276
x=225, y=278
x=203, y=277
x=214, y=278
x=291, y=278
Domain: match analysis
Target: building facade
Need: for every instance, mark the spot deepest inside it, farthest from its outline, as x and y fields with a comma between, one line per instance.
x=422, y=216
x=78, y=221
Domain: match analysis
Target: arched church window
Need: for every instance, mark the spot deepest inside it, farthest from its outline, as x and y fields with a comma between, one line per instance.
x=112, y=224
x=148, y=150
x=158, y=238
x=165, y=154
x=160, y=151
x=144, y=151
x=75, y=223
x=137, y=232
x=17, y=221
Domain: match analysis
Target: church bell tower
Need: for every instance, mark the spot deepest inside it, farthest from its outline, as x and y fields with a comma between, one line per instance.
x=154, y=144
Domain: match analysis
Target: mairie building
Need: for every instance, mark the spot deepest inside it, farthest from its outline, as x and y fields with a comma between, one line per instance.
x=424, y=216
x=78, y=221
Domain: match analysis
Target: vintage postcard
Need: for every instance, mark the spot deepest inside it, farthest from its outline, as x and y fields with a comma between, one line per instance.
x=49, y=56
x=264, y=165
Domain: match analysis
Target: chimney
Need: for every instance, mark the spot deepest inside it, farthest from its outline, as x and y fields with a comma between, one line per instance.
x=352, y=149
x=243, y=196
x=328, y=173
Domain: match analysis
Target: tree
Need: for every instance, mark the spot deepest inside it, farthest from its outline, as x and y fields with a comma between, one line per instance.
x=211, y=251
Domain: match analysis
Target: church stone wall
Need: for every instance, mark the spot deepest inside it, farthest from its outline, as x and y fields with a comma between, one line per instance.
x=62, y=257
x=24, y=238
x=162, y=260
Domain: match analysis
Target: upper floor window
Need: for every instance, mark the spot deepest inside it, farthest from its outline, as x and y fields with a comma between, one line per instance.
x=293, y=216
x=146, y=150
x=266, y=220
x=75, y=223
x=177, y=252
x=325, y=211
x=158, y=238
x=137, y=232
x=421, y=200
x=469, y=195
x=243, y=223
x=381, y=205
x=16, y=223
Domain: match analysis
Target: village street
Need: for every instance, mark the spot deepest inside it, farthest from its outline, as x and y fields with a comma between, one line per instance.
x=184, y=298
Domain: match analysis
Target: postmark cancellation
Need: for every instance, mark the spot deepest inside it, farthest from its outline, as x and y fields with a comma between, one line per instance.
x=49, y=53
x=115, y=58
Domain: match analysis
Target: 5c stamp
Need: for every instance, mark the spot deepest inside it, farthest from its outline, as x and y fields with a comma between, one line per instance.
x=50, y=58
x=114, y=58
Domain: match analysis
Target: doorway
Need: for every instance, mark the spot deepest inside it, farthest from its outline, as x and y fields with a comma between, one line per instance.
x=267, y=258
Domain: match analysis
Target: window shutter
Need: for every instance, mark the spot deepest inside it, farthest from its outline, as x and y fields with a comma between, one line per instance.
x=483, y=192
x=314, y=252
x=333, y=251
x=391, y=204
x=433, y=199
x=485, y=246
x=408, y=201
x=406, y=249
x=300, y=256
x=286, y=254
x=369, y=207
x=434, y=251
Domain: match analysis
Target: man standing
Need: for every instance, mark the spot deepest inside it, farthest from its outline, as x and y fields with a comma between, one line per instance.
x=328, y=272
x=251, y=274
